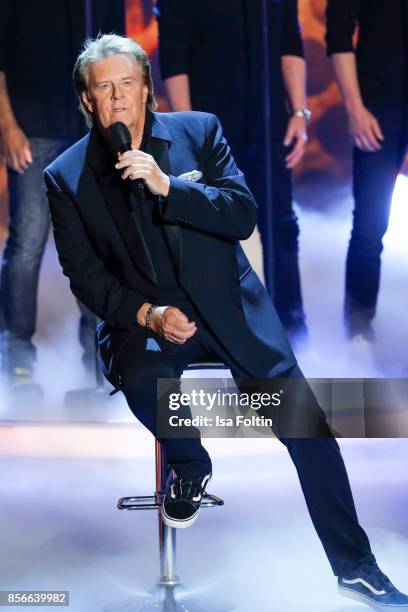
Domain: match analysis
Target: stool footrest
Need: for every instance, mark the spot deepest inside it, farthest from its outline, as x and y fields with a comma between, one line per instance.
x=152, y=502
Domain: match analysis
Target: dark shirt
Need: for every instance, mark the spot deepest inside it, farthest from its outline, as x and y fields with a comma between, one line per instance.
x=170, y=292
x=381, y=50
x=39, y=43
x=218, y=44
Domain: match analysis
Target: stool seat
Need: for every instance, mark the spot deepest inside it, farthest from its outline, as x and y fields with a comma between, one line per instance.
x=206, y=365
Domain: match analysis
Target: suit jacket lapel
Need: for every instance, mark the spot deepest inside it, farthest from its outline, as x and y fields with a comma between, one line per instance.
x=158, y=147
x=113, y=190
x=119, y=207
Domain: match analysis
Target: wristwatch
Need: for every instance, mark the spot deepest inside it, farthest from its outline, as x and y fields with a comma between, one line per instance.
x=302, y=112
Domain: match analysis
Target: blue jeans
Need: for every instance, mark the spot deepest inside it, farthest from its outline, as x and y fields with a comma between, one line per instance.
x=29, y=225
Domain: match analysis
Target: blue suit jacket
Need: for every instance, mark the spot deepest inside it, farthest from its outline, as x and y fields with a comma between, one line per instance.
x=109, y=264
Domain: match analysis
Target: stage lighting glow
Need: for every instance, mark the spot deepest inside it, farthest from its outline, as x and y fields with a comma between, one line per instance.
x=397, y=229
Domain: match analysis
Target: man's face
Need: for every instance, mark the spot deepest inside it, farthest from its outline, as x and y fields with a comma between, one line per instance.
x=116, y=92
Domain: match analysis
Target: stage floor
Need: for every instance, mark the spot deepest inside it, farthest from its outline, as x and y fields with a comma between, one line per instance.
x=60, y=529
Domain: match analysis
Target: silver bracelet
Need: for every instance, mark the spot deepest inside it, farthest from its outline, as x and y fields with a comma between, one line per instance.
x=149, y=314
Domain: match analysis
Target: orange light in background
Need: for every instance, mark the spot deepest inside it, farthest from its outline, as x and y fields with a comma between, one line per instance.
x=141, y=27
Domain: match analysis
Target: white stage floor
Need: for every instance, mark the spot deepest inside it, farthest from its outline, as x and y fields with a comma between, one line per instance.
x=60, y=529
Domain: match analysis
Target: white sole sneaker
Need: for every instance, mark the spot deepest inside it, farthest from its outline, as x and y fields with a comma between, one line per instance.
x=178, y=524
x=183, y=523
x=350, y=594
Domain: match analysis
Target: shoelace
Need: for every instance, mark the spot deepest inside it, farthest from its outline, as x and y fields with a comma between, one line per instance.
x=377, y=578
x=187, y=489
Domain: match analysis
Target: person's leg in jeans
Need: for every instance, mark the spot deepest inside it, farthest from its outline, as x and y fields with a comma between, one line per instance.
x=144, y=358
x=288, y=295
x=87, y=326
x=29, y=223
x=374, y=176
x=279, y=236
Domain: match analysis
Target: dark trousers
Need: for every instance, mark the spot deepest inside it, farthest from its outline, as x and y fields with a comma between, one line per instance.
x=279, y=236
x=374, y=176
x=29, y=225
x=145, y=357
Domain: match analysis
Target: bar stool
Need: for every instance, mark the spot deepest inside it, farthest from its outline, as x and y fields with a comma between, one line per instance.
x=166, y=597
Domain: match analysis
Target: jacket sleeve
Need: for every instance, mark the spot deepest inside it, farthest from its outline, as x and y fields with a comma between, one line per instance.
x=4, y=28
x=223, y=206
x=292, y=43
x=341, y=22
x=89, y=280
x=175, y=21
x=114, y=18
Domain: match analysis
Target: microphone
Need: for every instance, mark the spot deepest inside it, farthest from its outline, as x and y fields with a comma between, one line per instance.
x=120, y=141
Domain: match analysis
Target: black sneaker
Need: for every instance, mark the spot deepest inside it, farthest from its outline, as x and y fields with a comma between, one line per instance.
x=373, y=588
x=182, y=503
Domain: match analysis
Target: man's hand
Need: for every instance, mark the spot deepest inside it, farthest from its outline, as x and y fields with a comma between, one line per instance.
x=16, y=148
x=172, y=324
x=139, y=165
x=297, y=132
x=365, y=129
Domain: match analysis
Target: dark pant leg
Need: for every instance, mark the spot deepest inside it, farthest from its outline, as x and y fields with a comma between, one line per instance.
x=87, y=326
x=279, y=229
x=325, y=485
x=29, y=222
x=142, y=360
x=288, y=295
x=322, y=473
x=374, y=176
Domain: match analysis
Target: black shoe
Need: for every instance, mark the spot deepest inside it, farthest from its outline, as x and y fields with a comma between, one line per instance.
x=182, y=503
x=358, y=325
x=373, y=588
x=361, y=334
x=21, y=383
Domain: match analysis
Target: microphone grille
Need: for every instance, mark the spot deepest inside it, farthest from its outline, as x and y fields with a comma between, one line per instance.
x=119, y=137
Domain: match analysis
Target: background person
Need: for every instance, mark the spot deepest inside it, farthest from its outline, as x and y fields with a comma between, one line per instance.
x=373, y=81
x=211, y=58
x=39, y=42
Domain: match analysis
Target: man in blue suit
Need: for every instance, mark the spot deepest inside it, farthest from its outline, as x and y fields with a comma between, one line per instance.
x=150, y=242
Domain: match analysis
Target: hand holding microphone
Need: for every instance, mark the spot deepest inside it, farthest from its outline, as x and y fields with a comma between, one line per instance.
x=136, y=165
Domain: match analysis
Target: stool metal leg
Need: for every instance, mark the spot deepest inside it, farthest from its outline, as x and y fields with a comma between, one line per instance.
x=168, y=595
x=167, y=535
